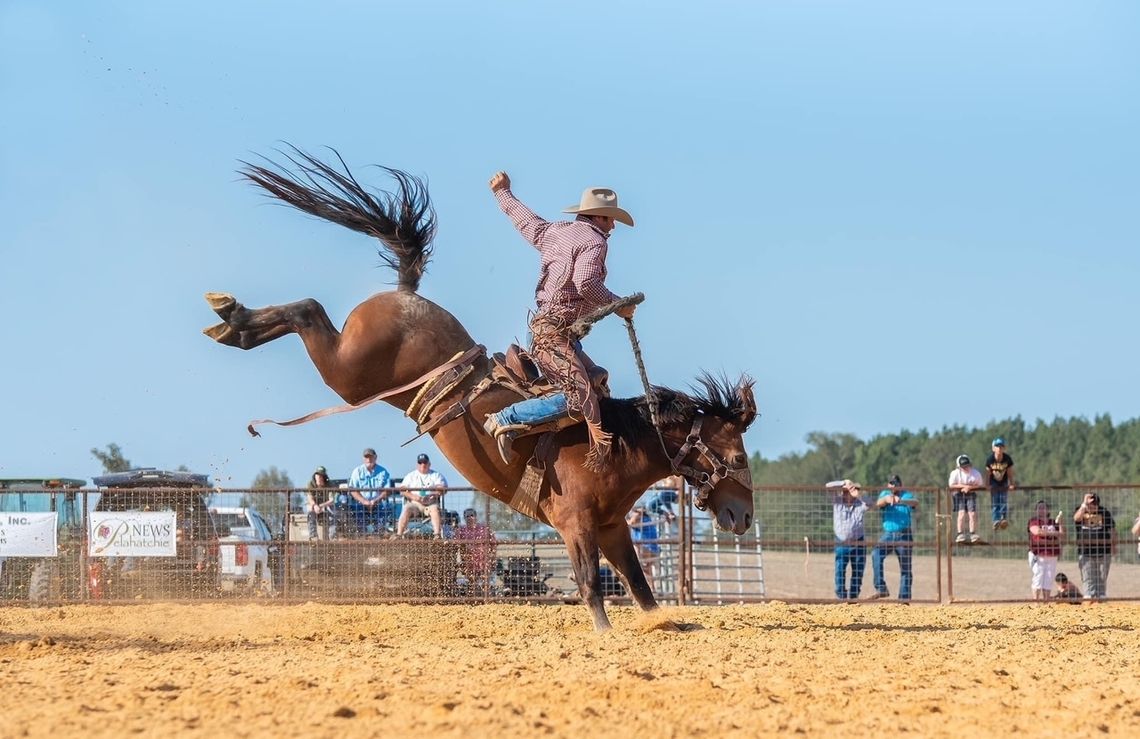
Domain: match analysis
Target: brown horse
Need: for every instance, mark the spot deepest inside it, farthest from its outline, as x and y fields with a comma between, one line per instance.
x=394, y=338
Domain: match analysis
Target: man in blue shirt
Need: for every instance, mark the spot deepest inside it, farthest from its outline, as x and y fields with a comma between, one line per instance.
x=896, y=505
x=367, y=483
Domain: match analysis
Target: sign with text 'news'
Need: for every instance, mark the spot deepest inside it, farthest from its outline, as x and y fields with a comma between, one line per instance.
x=27, y=535
x=132, y=534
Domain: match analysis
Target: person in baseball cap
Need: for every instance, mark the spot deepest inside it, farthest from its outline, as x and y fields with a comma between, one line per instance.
x=998, y=473
x=423, y=490
x=965, y=481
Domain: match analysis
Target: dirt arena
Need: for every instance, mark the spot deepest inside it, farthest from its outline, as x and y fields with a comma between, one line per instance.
x=321, y=670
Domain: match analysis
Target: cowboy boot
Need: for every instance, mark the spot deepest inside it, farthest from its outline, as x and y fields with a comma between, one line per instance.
x=504, y=437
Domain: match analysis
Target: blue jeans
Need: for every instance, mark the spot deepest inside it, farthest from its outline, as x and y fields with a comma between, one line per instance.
x=999, y=507
x=856, y=556
x=533, y=411
x=898, y=542
x=1094, y=574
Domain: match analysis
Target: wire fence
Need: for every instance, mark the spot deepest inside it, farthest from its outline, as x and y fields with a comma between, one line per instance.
x=190, y=544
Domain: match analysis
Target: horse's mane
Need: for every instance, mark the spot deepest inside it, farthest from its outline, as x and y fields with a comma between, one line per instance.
x=403, y=220
x=628, y=419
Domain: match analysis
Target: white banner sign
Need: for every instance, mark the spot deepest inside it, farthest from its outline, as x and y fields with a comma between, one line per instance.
x=131, y=534
x=27, y=535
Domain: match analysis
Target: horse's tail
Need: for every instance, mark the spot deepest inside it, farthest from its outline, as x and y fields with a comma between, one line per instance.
x=403, y=220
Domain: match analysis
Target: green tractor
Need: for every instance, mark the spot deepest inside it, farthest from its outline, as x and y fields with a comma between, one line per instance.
x=45, y=579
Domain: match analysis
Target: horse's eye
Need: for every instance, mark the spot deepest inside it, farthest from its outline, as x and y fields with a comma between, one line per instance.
x=739, y=459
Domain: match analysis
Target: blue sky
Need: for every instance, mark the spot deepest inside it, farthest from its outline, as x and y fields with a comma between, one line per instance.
x=891, y=214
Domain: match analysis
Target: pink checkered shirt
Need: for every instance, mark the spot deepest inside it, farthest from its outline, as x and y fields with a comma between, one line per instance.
x=572, y=270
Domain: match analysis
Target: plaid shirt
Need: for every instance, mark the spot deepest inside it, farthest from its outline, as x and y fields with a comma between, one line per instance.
x=572, y=270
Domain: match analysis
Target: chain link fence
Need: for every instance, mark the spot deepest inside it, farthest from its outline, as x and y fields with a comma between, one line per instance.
x=189, y=544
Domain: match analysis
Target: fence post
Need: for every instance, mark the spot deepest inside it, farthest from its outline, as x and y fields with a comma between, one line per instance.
x=84, y=567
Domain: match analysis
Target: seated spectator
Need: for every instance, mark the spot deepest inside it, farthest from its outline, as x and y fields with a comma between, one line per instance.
x=965, y=482
x=367, y=485
x=450, y=524
x=423, y=487
x=644, y=532
x=477, y=551
x=1067, y=590
x=319, y=498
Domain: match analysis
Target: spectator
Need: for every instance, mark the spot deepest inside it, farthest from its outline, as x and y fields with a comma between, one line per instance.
x=1065, y=589
x=898, y=536
x=367, y=485
x=668, y=495
x=847, y=511
x=319, y=498
x=423, y=487
x=450, y=524
x=999, y=479
x=1136, y=532
x=1096, y=543
x=1044, y=548
x=645, y=536
x=476, y=551
x=966, y=481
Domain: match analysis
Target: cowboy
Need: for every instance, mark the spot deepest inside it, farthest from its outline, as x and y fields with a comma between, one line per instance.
x=571, y=282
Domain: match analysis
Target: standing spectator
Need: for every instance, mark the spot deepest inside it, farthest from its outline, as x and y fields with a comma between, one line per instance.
x=999, y=479
x=367, y=485
x=1044, y=548
x=1096, y=543
x=847, y=512
x=966, y=481
x=645, y=537
x=319, y=498
x=476, y=552
x=423, y=487
x=1065, y=589
x=898, y=537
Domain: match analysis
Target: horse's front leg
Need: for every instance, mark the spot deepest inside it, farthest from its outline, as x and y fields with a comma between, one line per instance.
x=617, y=544
x=582, y=547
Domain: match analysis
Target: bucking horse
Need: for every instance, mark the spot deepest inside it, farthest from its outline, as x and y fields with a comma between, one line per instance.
x=399, y=347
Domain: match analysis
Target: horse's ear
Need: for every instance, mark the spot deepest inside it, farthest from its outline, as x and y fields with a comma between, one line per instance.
x=747, y=412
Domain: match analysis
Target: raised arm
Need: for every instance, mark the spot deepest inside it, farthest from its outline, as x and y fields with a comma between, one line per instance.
x=531, y=225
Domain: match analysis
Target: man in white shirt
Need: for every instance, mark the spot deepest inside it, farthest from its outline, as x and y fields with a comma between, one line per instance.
x=965, y=482
x=423, y=488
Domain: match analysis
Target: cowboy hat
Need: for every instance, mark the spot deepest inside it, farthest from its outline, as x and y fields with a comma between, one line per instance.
x=600, y=201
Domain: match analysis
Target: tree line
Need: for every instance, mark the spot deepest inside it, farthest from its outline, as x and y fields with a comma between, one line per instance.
x=1062, y=452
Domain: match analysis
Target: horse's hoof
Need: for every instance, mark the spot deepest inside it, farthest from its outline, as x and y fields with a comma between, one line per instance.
x=223, y=333
x=222, y=303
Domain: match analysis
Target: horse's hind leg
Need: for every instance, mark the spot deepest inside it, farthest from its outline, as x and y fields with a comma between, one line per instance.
x=247, y=328
x=617, y=545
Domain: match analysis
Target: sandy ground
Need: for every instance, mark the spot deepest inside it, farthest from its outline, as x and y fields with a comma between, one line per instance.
x=322, y=670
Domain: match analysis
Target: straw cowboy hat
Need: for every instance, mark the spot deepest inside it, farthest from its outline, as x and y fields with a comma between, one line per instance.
x=600, y=201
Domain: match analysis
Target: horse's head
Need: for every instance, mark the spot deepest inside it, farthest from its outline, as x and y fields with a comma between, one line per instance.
x=711, y=457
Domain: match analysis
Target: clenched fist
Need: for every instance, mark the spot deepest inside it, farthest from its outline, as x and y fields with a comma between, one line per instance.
x=501, y=181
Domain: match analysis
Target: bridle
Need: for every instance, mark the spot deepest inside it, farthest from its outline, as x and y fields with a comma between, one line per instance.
x=703, y=481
